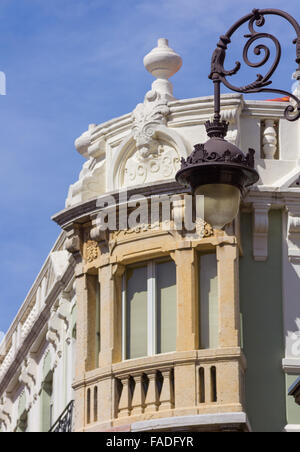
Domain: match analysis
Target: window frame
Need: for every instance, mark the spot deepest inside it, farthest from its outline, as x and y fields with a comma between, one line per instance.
x=152, y=314
x=202, y=346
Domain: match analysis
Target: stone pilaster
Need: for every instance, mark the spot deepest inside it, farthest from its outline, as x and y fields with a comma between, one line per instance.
x=229, y=311
x=187, y=299
x=81, y=351
x=110, y=278
x=187, y=324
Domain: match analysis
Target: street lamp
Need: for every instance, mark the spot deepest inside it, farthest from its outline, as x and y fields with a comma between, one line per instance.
x=218, y=170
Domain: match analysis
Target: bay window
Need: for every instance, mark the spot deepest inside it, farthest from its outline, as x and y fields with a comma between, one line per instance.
x=149, y=309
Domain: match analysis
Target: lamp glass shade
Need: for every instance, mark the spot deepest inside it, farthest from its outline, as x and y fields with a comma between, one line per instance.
x=221, y=203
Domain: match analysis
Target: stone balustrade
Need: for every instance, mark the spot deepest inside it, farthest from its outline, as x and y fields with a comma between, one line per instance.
x=163, y=386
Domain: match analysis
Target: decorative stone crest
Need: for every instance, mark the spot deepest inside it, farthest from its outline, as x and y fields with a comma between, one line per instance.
x=162, y=163
x=91, y=251
x=206, y=230
x=154, y=111
x=162, y=62
x=154, y=159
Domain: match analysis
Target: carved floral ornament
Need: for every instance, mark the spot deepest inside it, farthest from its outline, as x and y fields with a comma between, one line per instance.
x=154, y=157
x=92, y=251
x=202, y=230
x=157, y=149
x=206, y=230
x=146, y=116
x=161, y=164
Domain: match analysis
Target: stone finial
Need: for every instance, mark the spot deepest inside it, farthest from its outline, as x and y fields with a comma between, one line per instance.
x=163, y=62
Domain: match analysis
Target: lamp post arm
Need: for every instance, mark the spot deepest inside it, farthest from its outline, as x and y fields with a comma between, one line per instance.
x=219, y=75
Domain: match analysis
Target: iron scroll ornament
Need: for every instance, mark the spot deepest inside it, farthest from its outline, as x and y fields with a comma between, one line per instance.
x=219, y=75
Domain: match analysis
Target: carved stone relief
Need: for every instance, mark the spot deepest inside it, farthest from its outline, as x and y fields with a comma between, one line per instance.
x=147, y=166
x=91, y=251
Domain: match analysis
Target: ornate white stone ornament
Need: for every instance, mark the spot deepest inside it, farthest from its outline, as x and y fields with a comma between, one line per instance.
x=63, y=311
x=6, y=406
x=143, y=168
x=28, y=379
x=153, y=159
x=153, y=151
x=53, y=334
x=232, y=116
x=92, y=176
x=162, y=62
x=294, y=232
x=270, y=141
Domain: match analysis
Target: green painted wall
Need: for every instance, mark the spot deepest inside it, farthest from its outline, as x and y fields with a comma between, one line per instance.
x=262, y=312
x=209, y=306
x=293, y=410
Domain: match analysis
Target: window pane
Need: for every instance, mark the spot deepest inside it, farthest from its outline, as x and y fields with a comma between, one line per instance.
x=209, y=321
x=136, y=331
x=46, y=402
x=166, y=307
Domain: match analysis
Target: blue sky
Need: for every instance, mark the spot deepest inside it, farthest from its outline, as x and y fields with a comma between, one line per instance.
x=69, y=63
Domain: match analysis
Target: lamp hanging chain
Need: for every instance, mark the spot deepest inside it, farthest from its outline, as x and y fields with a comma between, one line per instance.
x=219, y=75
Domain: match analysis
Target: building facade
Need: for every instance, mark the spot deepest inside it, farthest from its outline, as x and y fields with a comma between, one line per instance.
x=150, y=327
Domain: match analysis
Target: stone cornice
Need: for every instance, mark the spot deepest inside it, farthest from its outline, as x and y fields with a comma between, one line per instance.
x=275, y=196
x=265, y=109
x=188, y=112
x=82, y=212
x=291, y=366
x=109, y=128
x=28, y=300
x=37, y=327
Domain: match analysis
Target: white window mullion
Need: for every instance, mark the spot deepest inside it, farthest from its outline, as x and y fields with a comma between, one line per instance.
x=151, y=310
x=124, y=318
x=154, y=310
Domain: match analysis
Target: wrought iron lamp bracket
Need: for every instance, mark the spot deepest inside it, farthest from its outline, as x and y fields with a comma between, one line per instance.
x=219, y=75
x=218, y=161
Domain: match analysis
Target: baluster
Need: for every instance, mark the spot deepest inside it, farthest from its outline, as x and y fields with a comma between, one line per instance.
x=125, y=400
x=167, y=392
x=152, y=403
x=270, y=139
x=138, y=399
